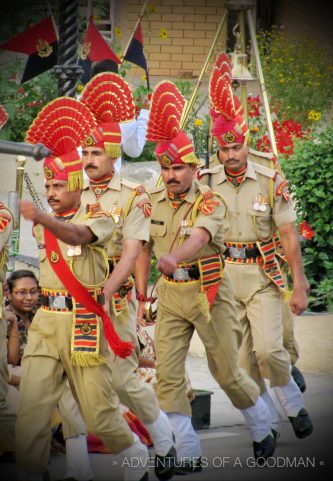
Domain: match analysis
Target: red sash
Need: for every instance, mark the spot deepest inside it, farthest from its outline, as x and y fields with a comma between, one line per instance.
x=80, y=293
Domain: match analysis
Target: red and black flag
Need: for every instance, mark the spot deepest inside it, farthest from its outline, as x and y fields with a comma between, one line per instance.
x=135, y=52
x=95, y=49
x=40, y=43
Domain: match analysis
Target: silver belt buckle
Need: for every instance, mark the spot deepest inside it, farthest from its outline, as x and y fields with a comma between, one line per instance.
x=237, y=252
x=181, y=274
x=57, y=302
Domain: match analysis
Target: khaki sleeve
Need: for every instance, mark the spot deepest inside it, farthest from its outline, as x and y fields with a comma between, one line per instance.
x=102, y=227
x=211, y=221
x=283, y=210
x=137, y=223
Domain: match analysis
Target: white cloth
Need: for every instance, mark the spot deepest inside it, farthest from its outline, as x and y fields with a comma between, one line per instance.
x=258, y=419
x=290, y=397
x=161, y=433
x=135, y=460
x=77, y=459
x=276, y=421
x=187, y=442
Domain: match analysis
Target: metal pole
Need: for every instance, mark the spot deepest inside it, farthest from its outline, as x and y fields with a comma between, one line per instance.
x=261, y=81
x=20, y=166
x=67, y=69
x=13, y=205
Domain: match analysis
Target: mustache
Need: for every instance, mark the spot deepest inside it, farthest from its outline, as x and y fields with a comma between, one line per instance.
x=172, y=181
x=90, y=166
x=52, y=199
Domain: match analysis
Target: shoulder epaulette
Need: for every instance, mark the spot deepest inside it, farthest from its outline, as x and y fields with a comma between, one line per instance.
x=157, y=189
x=266, y=155
x=130, y=184
x=261, y=169
x=213, y=170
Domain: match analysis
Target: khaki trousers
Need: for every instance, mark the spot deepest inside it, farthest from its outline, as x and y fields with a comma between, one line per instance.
x=71, y=419
x=7, y=409
x=178, y=315
x=46, y=366
x=259, y=309
x=138, y=395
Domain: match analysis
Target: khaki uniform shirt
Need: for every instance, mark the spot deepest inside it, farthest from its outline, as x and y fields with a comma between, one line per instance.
x=166, y=222
x=90, y=266
x=245, y=224
x=129, y=206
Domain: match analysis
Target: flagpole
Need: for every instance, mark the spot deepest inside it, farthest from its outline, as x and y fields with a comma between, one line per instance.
x=136, y=25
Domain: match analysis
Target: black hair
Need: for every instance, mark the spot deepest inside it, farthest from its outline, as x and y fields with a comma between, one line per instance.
x=104, y=66
x=19, y=274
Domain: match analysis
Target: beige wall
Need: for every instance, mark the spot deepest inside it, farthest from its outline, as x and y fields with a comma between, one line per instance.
x=191, y=26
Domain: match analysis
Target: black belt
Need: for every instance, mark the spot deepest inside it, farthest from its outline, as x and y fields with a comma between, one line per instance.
x=249, y=252
x=193, y=273
x=64, y=302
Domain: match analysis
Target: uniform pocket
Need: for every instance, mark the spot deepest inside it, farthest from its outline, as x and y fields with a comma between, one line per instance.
x=262, y=223
x=157, y=230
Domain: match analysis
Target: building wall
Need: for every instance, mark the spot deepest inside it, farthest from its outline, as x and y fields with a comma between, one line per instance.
x=191, y=26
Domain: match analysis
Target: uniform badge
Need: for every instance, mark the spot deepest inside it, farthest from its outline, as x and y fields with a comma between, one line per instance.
x=260, y=203
x=229, y=137
x=166, y=160
x=115, y=212
x=73, y=251
x=122, y=291
x=86, y=328
x=98, y=191
x=186, y=227
x=54, y=257
x=48, y=172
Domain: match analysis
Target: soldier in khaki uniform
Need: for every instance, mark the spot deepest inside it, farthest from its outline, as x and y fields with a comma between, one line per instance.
x=194, y=293
x=7, y=412
x=268, y=159
x=67, y=339
x=259, y=204
x=128, y=204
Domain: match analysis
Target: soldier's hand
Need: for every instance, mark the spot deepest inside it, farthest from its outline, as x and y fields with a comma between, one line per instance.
x=141, y=315
x=167, y=264
x=299, y=301
x=28, y=210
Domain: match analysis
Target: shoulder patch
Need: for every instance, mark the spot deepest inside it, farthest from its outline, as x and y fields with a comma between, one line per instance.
x=145, y=205
x=208, y=203
x=261, y=169
x=282, y=190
